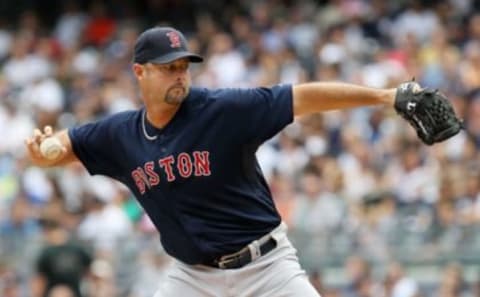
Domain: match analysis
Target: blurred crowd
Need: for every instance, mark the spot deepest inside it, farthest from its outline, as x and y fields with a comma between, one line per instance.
x=372, y=211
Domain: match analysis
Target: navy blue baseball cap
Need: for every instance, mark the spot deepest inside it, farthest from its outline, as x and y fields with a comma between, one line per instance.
x=162, y=45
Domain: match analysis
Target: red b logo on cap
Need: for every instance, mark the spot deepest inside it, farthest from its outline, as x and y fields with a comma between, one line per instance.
x=174, y=39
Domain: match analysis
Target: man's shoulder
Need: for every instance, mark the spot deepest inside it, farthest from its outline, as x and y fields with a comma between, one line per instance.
x=214, y=94
x=235, y=90
x=122, y=117
x=112, y=122
x=230, y=95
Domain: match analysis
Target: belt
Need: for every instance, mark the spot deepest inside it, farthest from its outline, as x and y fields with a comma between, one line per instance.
x=246, y=255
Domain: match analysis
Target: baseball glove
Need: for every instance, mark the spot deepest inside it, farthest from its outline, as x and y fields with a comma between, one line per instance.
x=428, y=111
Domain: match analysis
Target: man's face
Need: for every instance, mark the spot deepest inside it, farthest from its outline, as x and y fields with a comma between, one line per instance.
x=167, y=83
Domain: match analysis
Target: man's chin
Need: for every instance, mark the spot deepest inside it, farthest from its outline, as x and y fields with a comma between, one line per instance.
x=174, y=100
x=176, y=95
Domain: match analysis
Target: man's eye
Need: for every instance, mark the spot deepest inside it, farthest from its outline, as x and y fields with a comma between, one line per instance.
x=174, y=68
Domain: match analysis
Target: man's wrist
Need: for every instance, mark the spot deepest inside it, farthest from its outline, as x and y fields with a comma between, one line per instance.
x=388, y=96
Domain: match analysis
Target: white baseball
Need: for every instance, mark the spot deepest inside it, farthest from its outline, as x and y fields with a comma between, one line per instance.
x=51, y=148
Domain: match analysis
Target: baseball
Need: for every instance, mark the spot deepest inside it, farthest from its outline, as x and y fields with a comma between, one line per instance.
x=51, y=148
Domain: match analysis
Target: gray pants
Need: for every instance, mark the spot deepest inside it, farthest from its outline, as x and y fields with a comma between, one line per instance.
x=277, y=274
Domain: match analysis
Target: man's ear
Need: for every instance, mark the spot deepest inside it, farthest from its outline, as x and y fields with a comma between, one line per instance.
x=138, y=70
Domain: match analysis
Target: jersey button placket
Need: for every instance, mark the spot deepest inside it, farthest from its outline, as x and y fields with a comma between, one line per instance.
x=161, y=139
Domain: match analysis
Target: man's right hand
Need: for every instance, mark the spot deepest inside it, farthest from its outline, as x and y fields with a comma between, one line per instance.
x=33, y=147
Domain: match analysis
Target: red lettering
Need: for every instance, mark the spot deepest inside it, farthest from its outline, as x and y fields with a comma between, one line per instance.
x=140, y=180
x=153, y=177
x=166, y=164
x=184, y=165
x=202, y=163
x=197, y=163
x=174, y=39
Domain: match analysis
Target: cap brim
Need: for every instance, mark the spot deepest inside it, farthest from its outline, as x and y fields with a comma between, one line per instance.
x=175, y=56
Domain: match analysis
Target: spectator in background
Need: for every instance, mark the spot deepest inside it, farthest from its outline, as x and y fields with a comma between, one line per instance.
x=397, y=284
x=223, y=55
x=100, y=27
x=413, y=177
x=10, y=281
x=453, y=283
x=61, y=291
x=19, y=226
x=102, y=280
x=62, y=262
x=153, y=264
x=23, y=67
x=105, y=224
x=414, y=17
x=316, y=211
x=469, y=69
x=283, y=193
x=360, y=279
x=70, y=24
x=473, y=117
x=379, y=225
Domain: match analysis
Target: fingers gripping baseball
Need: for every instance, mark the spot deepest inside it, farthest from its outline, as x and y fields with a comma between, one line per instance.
x=43, y=147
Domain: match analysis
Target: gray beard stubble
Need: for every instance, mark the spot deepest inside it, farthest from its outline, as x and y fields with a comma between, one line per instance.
x=170, y=98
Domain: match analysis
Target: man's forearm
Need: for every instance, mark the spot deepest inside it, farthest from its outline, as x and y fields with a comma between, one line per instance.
x=322, y=96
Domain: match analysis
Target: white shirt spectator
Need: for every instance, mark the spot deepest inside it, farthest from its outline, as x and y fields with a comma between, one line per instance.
x=15, y=127
x=405, y=287
x=46, y=95
x=420, y=183
x=37, y=185
x=86, y=61
x=20, y=72
x=5, y=43
x=410, y=22
x=321, y=214
x=69, y=28
x=359, y=178
x=105, y=227
x=267, y=158
x=227, y=68
x=303, y=36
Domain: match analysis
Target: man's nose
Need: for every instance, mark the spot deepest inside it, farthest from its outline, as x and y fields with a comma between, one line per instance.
x=180, y=73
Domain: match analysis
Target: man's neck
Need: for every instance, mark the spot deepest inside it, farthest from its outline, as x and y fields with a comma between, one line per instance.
x=160, y=115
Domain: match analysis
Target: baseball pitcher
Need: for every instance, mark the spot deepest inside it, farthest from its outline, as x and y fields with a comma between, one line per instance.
x=188, y=155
